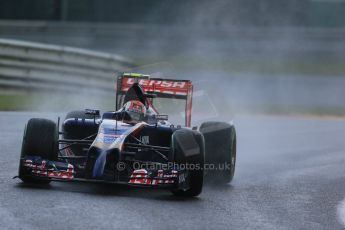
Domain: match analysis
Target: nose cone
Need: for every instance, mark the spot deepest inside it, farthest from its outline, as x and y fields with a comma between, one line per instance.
x=101, y=163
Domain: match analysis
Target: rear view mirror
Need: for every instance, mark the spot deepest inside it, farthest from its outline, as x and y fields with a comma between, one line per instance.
x=161, y=117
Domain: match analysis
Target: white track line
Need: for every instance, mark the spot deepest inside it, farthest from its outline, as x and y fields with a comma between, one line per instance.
x=341, y=212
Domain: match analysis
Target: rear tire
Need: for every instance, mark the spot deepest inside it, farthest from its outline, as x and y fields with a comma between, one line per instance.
x=188, y=148
x=40, y=139
x=220, y=150
x=80, y=133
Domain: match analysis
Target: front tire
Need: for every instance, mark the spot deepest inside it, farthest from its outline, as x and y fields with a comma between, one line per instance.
x=188, y=148
x=40, y=139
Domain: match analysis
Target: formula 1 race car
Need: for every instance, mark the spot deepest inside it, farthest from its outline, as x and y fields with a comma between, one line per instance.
x=133, y=145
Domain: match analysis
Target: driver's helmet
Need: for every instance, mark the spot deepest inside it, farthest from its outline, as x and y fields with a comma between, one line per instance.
x=135, y=110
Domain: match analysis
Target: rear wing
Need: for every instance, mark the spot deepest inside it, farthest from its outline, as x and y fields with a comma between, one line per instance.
x=163, y=88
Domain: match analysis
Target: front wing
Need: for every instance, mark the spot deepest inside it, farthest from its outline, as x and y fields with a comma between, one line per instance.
x=39, y=168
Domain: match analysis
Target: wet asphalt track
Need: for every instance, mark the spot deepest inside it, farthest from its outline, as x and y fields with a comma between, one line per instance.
x=290, y=175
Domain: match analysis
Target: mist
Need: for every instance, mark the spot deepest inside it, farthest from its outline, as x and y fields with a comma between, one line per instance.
x=244, y=56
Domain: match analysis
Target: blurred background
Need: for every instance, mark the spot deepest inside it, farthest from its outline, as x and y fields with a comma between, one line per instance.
x=244, y=56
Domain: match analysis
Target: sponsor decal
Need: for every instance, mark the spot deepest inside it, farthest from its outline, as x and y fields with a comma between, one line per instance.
x=50, y=169
x=181, y=178
x=145, y=140
x=140, y=177
x=158, y=83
